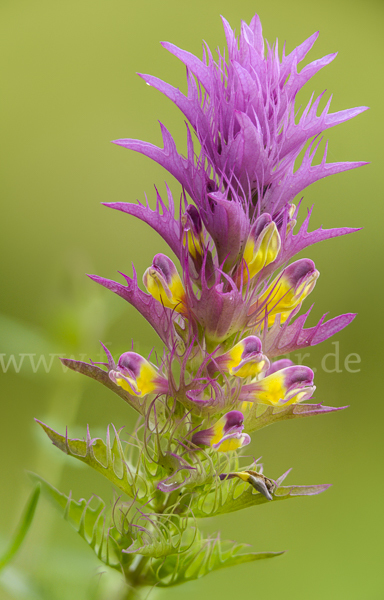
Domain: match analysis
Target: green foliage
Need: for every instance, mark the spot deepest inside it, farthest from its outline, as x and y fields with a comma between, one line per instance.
x=93, y=524
x=116, y=540
x=205, y=556
x=22, y=530
x=171, y=547
x=108, y=458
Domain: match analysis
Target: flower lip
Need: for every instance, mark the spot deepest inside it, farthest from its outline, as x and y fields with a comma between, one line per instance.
x=299, y=270
x=261, y=223
x=130, y=364
x=287, y=213
x=234, y=421
x=164, y=267
x=232, y=441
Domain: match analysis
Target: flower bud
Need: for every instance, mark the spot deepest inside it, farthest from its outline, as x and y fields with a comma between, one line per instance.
x=225, y=435
x=138, y=376
x=163, y=282
x=245, y=359
x=289, y=290
x=193, y=231
x=282, y=388
x=262, y=246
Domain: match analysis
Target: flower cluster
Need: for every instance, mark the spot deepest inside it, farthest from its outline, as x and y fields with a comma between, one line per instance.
x=230, y=308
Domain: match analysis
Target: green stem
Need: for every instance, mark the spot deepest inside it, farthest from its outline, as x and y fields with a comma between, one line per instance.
x=133, y=575
x=133, y=579
x=132, y=594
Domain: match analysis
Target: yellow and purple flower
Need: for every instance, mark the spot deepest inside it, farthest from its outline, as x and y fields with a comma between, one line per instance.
x=225, y=435
x=286, y=386
x=138, y=376
x=262, y=246
x=163, y=282
x=288, y=290
x=244, y=360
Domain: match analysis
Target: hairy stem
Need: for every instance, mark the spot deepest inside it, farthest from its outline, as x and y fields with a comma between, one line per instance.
x=133, y=575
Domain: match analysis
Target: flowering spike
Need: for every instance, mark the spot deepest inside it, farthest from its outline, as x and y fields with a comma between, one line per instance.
x=233, y=308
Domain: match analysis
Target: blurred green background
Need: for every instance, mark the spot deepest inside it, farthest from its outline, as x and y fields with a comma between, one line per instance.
x=69, y=87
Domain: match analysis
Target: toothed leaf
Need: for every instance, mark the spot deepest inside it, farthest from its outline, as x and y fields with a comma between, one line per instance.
x=201, y=559
x=234, y=494
x=91, y=523
x=162, y=219
x=291, y=336
x=157, y=315
x=107, y=458
x=261, y=415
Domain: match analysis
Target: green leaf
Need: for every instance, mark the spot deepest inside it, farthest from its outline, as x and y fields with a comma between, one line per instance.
x=261, y=415
x=201, y=559
x=92, y=523
x=22, y=530
x=107, y=458
x=231, y=495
